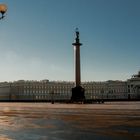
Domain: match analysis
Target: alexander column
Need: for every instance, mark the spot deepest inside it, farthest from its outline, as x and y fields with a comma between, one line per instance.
x=77, y=92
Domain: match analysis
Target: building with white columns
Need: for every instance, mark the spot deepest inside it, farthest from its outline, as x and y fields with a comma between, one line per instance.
x=62, y=90
x=134, y=86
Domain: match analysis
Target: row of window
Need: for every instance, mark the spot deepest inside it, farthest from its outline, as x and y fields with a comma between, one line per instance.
x=69, y=87
x=49, y=97
x=56, y=90
x=46, y=87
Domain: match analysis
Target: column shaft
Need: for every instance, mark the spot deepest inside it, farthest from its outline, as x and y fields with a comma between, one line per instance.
x=77, y=65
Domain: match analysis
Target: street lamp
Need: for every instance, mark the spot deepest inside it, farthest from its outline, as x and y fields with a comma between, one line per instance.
x=3, y=9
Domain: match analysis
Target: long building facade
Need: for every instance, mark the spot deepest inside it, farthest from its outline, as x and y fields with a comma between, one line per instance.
x=46, y=90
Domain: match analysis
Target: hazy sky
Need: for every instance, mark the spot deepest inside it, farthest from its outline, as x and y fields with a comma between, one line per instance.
x=36, y=39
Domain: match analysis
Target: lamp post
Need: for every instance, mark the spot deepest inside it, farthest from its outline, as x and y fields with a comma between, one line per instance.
x=52, y=98
x=3, y=9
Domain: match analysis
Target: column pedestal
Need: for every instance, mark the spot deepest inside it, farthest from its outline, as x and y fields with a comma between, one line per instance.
x=78, y=94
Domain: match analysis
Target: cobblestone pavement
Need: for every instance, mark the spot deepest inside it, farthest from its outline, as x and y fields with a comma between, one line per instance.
x=44, y=121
